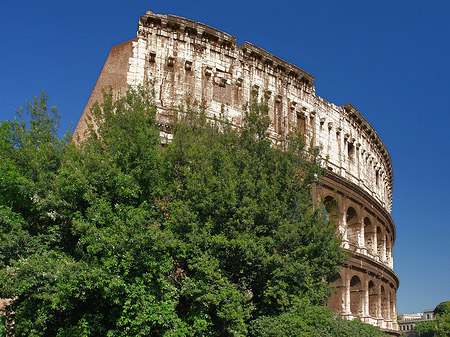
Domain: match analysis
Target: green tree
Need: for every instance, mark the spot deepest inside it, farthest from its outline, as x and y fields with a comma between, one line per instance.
x=306, y=320
x=426, y=328
x=214, y=234
x=442, y=313
x=438, y=327
x=441, y=308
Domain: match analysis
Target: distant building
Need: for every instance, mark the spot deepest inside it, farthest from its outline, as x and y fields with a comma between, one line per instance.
x=407, y=322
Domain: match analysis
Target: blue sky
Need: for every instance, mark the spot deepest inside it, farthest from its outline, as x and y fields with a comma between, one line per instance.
x=390, y=59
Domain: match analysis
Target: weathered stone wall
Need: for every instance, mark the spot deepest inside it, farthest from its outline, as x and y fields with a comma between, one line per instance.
x=191, y=62
x=368, y=285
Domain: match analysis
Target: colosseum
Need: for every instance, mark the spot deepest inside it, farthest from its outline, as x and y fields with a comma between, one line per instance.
x=191, y=61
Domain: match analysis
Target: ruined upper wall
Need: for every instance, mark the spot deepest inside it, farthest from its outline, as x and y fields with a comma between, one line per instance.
x=190, y=61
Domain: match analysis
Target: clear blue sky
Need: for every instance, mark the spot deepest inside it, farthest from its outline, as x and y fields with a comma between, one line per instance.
x=390, y=59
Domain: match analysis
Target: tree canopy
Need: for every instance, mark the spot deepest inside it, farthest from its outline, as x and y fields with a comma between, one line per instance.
x=214, y=234
x=426, y=328
x=440, y=326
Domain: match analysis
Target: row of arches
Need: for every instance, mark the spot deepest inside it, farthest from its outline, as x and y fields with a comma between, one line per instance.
x=370, y=299
x=361, y=233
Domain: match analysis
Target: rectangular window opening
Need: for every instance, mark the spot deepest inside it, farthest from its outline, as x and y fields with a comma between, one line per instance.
x=351, y=151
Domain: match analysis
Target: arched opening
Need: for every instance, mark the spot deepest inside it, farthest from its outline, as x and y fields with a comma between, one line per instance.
x=391, y=253
x=380, y=243
x=356, y=296
x=384, y=303
x=388, y=248
x=373, y=299
x=331, y=207
x=301, y=125
x=393, y=304
x=368, y=235
x=336, y=302
x=352, y=227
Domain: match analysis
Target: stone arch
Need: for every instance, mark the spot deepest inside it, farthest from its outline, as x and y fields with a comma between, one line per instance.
x=380, y=243
x=373, y=299
x=384, y=303
x=337, y=300
x=388, y=248
x=331, y=207
x=392, y=305
x=369, y=235
x=356, y=296
x=353, y=225
x=391, y=252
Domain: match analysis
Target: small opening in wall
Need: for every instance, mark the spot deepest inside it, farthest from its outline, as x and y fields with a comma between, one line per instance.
x=170, y=61
x=278, y=115
x=280, y=68
x=377, y=177
x=153, y=21
x=190, y=30
x=268, y=62
x=174, y=26
x=351, y=151
x=210, y=37
x=151, y=57
x=226, y=44
x=301, y=126
x=188, y=65
x=256, y=56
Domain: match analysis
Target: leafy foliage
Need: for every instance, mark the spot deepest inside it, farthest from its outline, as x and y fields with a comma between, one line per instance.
x=439, y=327
x=426, y=328
x=214, y=234
x=305, y=320
x=442, y=312
x=442, y=308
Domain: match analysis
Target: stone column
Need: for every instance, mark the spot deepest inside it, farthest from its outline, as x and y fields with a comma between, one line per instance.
x=391, y=262
x=344, y=223
x=346, y=282
x=388, y=305
x=366, y=297
x=357, y=157
x=362, y=241
x=379, y=301
x=374, y=237
x=383, y=247
x=394, y=312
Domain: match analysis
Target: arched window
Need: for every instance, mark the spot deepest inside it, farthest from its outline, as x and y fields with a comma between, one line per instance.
x=380, y=243
x=388, y=248
x=352, y=227
x=392, y=304
x=301, y=125
x=336, y=301
x=356, y=296
x=368, y=235
x=384, y=303
x=331, y=207
x=373, y=299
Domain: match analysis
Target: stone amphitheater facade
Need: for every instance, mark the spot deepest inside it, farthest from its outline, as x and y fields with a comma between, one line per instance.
x=190, y=61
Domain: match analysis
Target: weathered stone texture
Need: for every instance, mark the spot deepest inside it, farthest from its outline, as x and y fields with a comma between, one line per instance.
x=192, y=62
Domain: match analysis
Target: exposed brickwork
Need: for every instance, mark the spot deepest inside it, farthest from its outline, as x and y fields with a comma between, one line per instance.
x=114, y=75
